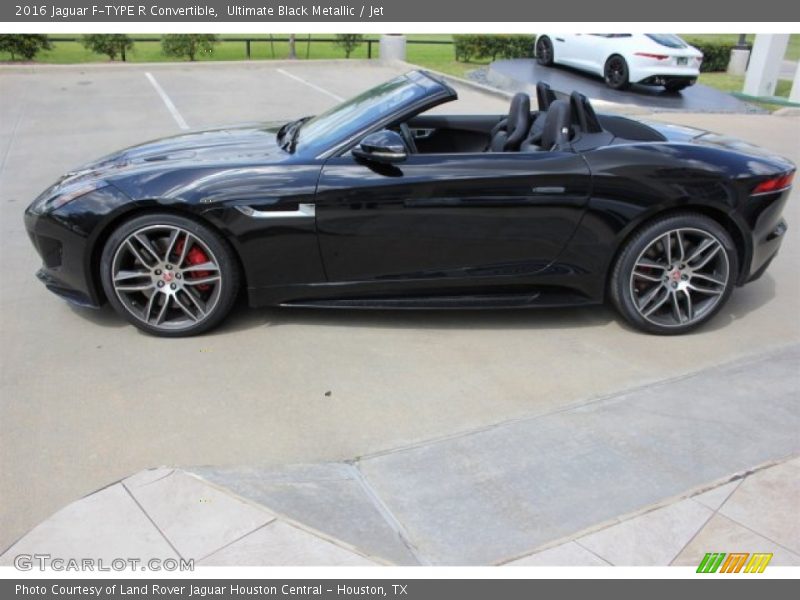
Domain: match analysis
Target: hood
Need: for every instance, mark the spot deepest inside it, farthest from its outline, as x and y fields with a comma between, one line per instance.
x=255, y=142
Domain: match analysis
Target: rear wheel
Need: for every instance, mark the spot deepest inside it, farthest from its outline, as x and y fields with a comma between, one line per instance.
x=616, y=72
x=169, y=275
x=674, y=274
x=544, y=51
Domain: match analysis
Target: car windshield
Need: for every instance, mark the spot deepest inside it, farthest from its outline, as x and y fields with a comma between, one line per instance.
x=348, y=118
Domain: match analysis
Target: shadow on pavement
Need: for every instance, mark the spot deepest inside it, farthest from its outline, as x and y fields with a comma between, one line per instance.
x=743, y=301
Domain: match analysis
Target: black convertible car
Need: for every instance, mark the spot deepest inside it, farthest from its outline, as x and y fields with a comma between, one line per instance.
x=378, y=204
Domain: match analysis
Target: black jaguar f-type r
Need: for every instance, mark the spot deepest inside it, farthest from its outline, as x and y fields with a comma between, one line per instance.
x=378, y=204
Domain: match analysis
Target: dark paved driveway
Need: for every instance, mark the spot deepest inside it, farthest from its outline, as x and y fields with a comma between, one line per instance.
x=518, y=74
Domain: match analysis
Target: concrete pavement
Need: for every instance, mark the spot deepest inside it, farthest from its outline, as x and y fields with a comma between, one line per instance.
x=654, y=476
x=490, y=495
x=86, y=399
x=167, y=514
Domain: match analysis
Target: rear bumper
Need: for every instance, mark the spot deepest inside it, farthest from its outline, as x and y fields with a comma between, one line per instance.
x=667, y=80
x=651, y=73
x=765, y=252
x=767, y=233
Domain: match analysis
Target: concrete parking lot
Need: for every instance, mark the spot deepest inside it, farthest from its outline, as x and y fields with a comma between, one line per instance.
x=86, y=399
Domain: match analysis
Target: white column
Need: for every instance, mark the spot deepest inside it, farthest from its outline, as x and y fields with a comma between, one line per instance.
x=795, y=95
x=765, y=64
x=737, y=65
x=393, y=46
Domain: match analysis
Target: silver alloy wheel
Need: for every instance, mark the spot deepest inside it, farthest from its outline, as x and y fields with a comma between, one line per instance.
x=166, y=277
x=679, y=277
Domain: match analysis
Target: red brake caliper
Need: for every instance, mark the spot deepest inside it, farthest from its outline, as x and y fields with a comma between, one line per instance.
x=195, y=256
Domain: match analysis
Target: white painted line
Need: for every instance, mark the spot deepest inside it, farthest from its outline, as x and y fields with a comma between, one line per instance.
x=167, y=102
x=311, y=85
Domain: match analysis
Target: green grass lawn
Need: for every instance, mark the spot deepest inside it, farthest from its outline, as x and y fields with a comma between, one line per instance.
x=262, y=49
x=439, y=57
x=735, y=83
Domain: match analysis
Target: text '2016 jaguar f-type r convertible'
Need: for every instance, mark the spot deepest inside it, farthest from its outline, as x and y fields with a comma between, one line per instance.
x=378, y=204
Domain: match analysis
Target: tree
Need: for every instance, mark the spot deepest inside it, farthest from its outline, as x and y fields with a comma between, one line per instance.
x=110, y=44
x=292, y=46
x=348, y=42
x=189, y=45
x=24, y=45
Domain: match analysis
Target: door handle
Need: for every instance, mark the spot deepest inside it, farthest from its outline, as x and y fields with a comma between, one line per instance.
x=422, y=134
x=551, y=189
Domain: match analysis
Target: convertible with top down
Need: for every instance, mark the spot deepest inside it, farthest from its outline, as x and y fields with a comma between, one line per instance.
x=379, y=203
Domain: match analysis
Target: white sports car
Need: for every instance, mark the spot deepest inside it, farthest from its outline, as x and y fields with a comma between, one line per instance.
x=624, y=58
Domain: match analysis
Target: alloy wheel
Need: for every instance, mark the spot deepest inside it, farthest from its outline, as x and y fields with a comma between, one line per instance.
x=615, y=72
x=679, y=277
x=166, y=277
x=544, y=51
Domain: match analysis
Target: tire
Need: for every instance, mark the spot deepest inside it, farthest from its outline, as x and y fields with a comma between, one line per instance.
x=152, y=271
x=615, y=73
x=670, y=297
x=674, y=86
x=545, y=55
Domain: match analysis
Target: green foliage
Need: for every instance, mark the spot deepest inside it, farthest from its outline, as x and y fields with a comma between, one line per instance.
x=110, y=44
x=188, y=45
x=715, y=54
x=468, y=47
x=348, y=42
x=24, y=45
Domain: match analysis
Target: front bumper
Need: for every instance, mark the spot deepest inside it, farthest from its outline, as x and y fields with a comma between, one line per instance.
x=66, y=238
x=65, y=269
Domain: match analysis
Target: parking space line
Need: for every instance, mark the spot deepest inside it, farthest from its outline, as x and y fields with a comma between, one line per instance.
x=167, y=102
x=12, y=138
x=311, y=85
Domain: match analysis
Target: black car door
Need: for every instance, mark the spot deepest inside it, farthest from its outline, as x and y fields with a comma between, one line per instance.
x=453, y=218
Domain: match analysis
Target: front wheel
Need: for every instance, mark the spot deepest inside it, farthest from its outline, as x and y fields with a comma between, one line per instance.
x=169, y=275
x=674, y=274
x=616, y=73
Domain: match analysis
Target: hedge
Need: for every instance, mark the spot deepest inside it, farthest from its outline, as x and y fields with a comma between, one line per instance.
x=715, y=54
x=468, y=47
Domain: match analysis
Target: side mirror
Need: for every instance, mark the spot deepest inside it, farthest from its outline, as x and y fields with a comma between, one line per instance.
x=384, y=147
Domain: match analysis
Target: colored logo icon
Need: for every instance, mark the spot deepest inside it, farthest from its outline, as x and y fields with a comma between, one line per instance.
x=734, y=562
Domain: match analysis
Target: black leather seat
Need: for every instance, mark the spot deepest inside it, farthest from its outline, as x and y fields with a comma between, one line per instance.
x=508, y=134
x=545, y=96
x=555, y=130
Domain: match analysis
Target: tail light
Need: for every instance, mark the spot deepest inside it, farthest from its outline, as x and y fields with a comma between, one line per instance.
x=774, y=184
x=651, y=55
